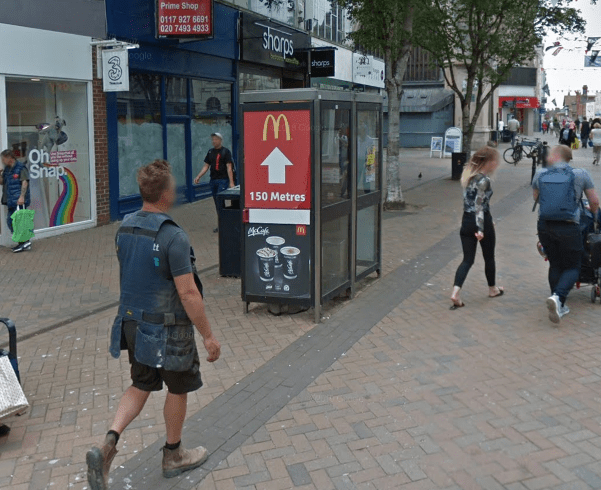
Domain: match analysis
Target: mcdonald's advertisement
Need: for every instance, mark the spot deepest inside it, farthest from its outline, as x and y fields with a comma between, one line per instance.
x=277, y=159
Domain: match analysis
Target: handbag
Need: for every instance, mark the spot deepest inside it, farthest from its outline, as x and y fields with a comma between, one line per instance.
x=12, y=398
x=590, y=143
x=23, y=224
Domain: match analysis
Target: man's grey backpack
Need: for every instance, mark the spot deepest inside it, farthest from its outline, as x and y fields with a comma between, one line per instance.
x=557, y=196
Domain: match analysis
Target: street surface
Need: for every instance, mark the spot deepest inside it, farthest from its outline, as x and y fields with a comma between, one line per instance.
x=391, y=391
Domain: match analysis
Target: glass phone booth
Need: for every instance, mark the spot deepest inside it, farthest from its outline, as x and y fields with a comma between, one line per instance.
x=311, y=194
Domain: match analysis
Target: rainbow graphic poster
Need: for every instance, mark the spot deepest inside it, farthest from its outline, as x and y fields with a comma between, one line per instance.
x=64, y=209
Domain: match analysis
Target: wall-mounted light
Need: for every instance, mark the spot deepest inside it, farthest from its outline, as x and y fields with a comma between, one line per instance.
x=35, y=79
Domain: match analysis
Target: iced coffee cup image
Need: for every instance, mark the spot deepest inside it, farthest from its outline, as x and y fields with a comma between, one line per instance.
x=275, y=243
x=266, y=257
x=290, y=259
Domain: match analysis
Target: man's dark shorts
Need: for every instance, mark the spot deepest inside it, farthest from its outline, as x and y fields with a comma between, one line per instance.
x=147, y=378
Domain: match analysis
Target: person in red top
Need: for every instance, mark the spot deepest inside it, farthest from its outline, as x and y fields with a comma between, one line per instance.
x=219, y=161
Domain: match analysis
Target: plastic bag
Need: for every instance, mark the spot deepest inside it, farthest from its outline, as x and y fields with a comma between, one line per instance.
x=576, y=144
x=23, y=225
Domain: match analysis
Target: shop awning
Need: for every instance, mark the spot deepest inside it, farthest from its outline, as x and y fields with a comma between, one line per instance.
x=426, y=99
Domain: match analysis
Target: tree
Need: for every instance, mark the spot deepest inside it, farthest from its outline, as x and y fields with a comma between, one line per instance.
x=487, y=38
x=386, y=26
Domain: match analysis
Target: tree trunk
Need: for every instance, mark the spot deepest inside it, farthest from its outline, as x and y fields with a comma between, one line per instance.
x=394, y=198
x=395, y=73
x=467, y=129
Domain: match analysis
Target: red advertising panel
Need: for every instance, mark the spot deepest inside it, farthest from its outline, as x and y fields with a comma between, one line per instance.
x=178, y=18
x=277, y=159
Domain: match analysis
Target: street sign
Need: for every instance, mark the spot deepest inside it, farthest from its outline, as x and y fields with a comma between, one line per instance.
x=115, y=70
x=190, y=18
x=277, y=160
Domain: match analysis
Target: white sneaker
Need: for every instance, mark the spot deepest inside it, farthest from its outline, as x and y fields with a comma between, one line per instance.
x=554, y=307
x=564, y=310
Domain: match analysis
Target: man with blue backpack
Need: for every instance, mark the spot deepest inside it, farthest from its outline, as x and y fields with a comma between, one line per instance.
x=558, y=189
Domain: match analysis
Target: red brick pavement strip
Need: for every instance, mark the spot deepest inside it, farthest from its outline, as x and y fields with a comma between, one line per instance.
x=66, y=386
x=488, y=397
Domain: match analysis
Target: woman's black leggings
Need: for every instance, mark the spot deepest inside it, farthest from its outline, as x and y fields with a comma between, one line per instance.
x=470, y=246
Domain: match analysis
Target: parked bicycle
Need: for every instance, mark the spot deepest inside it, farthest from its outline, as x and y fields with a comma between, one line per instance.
x=524, y=148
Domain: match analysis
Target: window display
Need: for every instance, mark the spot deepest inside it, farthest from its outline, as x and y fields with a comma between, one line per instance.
x=48, y=130
x=139, y=129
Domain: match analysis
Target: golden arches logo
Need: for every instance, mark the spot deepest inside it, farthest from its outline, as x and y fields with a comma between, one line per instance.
x=276, y=126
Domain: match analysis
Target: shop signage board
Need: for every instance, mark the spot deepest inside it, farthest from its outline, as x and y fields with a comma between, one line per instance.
x=519, y=102
x=269, y=43
x=368, y=71
x=186, y=19
x=453, y=141
x=436, y=145
x=115, y=70
x=323, y=63
x=277, y=162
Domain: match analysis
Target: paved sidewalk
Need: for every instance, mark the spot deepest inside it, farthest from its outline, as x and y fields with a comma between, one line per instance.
x=413, y=396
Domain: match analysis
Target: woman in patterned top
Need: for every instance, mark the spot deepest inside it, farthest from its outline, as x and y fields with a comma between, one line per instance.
x=477, y=225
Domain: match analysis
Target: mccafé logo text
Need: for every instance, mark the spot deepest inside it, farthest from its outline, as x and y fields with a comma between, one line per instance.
x=36, y=171
x=276, y=126
x=277, y=42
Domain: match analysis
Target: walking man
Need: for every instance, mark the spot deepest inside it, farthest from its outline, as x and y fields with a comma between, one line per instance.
x=219, y=161
x=15, y=191
x=558, y=188
x=513, y=125
x=585, y=131
x=161, y=302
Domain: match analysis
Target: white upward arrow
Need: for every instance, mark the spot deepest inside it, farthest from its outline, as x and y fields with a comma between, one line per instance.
x=277, y=163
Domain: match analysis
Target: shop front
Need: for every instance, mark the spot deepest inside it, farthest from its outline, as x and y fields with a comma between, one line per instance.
x=180, y=92
x=46, y=119
x=521, y=106
x=272, y=55
x=343, y=68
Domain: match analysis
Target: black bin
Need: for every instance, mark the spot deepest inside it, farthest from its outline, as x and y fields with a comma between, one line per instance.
x=458, y=160
x=494, y=136
x=230, y=232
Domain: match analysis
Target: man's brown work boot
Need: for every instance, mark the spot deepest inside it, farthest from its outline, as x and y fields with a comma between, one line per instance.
x=176, y=461
x=99, y=463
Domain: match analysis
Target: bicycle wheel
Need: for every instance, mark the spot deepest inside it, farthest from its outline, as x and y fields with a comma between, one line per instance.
x=508, y=155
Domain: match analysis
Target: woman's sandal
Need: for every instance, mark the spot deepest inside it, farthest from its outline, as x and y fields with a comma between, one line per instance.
x=456, y=306
x=501, y=293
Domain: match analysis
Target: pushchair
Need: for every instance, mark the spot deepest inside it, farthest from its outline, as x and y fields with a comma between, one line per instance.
x=590, y=270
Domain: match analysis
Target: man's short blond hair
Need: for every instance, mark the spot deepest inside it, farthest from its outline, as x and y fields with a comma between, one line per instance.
x=563, y=152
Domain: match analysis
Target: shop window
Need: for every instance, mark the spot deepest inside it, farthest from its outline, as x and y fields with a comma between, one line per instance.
x=48, y=129
x=140, y=130
x=176, y=96
x=211, y=113
x=256, y=81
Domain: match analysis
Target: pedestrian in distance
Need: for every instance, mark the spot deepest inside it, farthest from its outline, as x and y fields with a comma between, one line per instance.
x=585, y=130
x=477, y=225
x=15, y=191
x=596, y=139
x=545, y=126
x=577, y=124
x=160, y=303
x=513, y=125
x=558, y=190
x=567, y=136
x=219, y=161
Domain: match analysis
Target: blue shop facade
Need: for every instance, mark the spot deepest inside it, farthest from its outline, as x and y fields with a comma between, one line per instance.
x=182, y=92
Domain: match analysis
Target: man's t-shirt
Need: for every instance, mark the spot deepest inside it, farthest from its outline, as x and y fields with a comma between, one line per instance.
x=218, y=160
x=582, y=182
x=513, y=125
x=174, y=246
x=596, y=136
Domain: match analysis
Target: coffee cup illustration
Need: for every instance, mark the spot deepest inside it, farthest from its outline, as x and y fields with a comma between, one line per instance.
x=275, y=243
x=290, y=257
x=266, y=258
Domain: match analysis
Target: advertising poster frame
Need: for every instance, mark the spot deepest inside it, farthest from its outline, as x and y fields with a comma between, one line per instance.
x=249, y=292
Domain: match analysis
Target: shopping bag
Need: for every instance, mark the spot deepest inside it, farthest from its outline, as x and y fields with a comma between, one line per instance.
x=12, y=398
x=590, y=143
x=23, y=225
x=576, y=144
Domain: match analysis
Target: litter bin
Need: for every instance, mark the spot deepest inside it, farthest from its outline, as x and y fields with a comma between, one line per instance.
x=494, y=136
x=506, y=136
x=458, y=160
x=230, y=231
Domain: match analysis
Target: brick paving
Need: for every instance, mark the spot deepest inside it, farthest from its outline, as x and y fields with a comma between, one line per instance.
x=489, y=396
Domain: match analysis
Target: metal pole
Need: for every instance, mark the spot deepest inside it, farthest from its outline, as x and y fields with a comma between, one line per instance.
x=353, y=194
x=316, y=176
